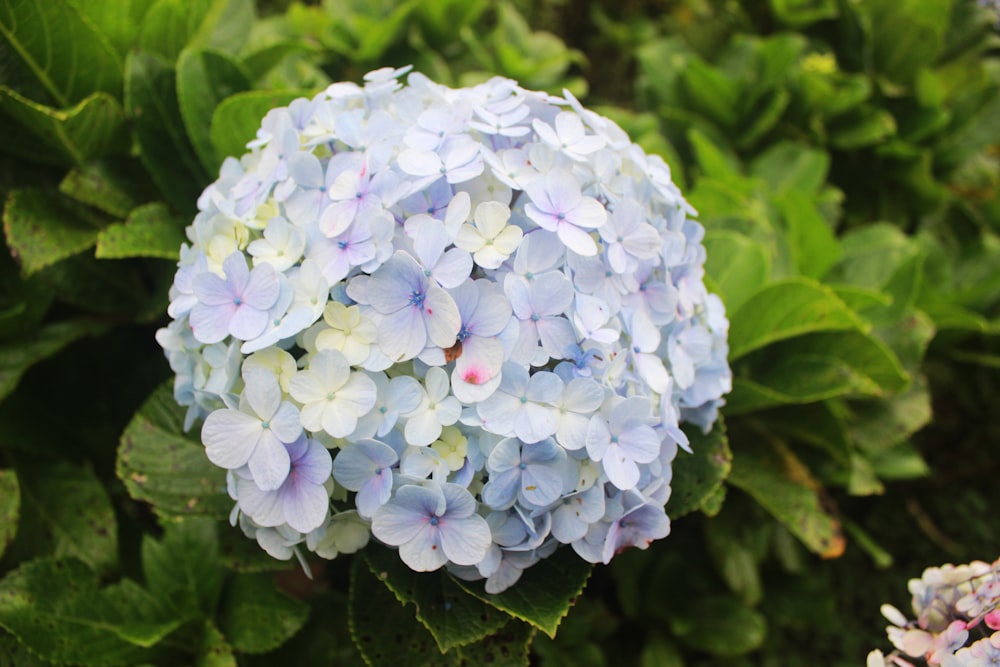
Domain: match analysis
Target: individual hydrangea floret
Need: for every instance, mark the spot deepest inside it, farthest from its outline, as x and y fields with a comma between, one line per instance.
x=956, y=607
x=465, y=323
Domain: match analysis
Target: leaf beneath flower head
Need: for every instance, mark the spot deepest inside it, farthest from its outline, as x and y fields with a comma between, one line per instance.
x=150, y=231
x=161, y=465
x=256, y=617
x=10, y=507
x=42, y=230
x=545, y=592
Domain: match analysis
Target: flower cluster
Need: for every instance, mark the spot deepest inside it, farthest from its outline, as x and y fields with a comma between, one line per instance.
x=952, y=605
x=466, y=322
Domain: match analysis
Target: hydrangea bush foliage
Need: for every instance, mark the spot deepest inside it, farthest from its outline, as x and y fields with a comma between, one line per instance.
x=468, y=320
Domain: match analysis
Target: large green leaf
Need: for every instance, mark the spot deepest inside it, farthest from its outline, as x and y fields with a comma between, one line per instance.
x=816, y=367
x=710, y=92
x=204, y=79
x=17, y=356
x=697, y=476
x=65, y=512
x=797, y=13
x=255, y=617
x=214, y=650
x=782, y=484
x=151, y=103
x=698, y=626
x=43, y=229
x=508, y=647
x=736, y=265
x=118, y=21
x=63, y=51
x=115, y=187
x=451, y=615
x=788, y=166
x=57, y=610
x=813, y=246
x=383, y=629
x=162, y=466
x=172, y=25
x=10, y=507
x=545, y=592
x=93, y=128
x=786, y=309
x=150, y=231
x=237, y=119
x=182, y=569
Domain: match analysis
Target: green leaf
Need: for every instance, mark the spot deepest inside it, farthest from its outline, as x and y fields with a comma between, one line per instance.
x=699, y=625
x=162, y=466
x=714, y=161
x=204, y=79
x=385, y=631
x=816, y=367
x=862, y=127
x=452, y=616
x=65, y=512
x=17, y=356
x=43, y=229
x=773, y=476
x=798, y=13
x=814, y=247
x=128, y=291
x=151, y=104
x=508, y=647
x=118, y=21
x=56, y=609
x=182, y=569
x=786, y=309
x=697, y=476
x=734, y=558
x=93, y=128
x=872, y=254
x=172, y=25
x=545, y=592
x=877, y=425
x=10, y=507
x=63, y=51
x=113, y=187
x=659, y=652
x=736, y=265
x=214, y=650
x=150, y=231
x=237, y=119
x=711, y=92
x=789, y=166
x=255, y=617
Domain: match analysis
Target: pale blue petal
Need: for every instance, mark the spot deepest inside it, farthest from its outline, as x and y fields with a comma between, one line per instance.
x=247, y=322
x=441, y=317
x=357, y=463
x=620, y=468
x=541, y=485
x=453, y=268
x=210, y=324
x=465, y=541
x=403, y=334
x=230, y=437
x=264, y=507
x=544, y=387
x=262, y=392
x=424, y=553
x=505, y=456
x=406, y=514
x=492, y=314
x=641, y=443
x=501, y=491
x=269, y=463
x=374, y=493
x=285, y=423
x=305, y=504
x=534, y=422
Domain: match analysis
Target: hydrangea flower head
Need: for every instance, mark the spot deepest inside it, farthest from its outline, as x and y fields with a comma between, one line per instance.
x=466, y=323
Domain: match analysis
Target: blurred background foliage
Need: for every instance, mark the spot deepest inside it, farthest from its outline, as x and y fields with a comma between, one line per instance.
x=843, y=155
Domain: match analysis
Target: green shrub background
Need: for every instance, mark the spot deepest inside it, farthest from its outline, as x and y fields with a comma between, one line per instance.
x=843, y=155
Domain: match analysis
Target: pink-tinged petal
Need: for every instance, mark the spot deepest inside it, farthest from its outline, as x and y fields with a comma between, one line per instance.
x=481, y=360
x=305, y=505
x=210, y=324
x=247, y=323
x=230, y=437
x=212, y=290
x=264, y=507
x=576, y=239
x=465, y=541
x=424, y=552
x=470, y=393
x=269, y=463
x=403, y=334
x=620, y=469
x=441, y=317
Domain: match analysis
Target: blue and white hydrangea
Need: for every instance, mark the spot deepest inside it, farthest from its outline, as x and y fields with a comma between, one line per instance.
x=465, y=322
